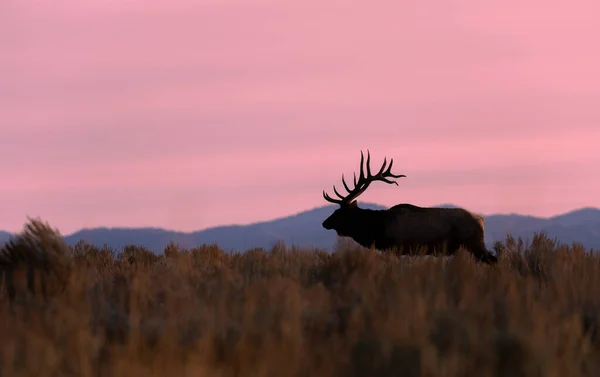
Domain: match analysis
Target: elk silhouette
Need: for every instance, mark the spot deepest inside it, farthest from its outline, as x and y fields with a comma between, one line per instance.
x=405, y=227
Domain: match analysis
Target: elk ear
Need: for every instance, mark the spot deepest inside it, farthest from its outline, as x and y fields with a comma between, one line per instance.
x=353, y=204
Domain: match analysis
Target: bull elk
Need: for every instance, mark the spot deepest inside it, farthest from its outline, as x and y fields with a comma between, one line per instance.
x=405, y=227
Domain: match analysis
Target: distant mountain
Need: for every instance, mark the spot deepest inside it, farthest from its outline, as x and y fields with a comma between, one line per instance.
x=4, y=236
x=304, y=229
x=582, y=225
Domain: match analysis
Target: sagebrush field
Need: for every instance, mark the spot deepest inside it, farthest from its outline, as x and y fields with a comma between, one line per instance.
x=287, y=312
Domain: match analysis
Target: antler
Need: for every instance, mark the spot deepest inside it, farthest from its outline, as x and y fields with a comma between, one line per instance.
x=363, y=181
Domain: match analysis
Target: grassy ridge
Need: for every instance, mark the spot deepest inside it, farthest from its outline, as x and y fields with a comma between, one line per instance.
x=288, y=312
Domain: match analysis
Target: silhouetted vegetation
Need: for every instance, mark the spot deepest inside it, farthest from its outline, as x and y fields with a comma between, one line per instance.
x=291, y=312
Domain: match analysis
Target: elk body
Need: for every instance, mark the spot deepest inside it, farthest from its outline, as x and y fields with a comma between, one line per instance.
x=405, y=227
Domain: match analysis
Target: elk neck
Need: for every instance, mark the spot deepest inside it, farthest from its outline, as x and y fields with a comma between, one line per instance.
x=366, y=226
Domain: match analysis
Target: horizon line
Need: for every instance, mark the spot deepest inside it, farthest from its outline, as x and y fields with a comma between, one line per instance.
x=297, y=214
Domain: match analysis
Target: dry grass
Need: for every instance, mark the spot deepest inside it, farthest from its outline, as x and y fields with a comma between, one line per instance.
x=288, y=312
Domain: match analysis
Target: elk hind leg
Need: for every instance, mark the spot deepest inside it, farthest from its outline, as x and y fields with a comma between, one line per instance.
x=478, y=249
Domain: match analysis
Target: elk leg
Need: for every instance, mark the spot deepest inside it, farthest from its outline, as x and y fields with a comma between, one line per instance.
x=31, y=278
x=437, y=248
x=452, y=246
x=432, y=249
x=406, y=248
x=479, y=250
x=9, y=284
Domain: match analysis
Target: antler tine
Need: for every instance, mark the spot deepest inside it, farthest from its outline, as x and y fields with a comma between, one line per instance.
x=330, y=199
x=368, y=163
x=346, y=186
x=337, y=193
x=388, y=172
x=361, y=175
x=382, y=166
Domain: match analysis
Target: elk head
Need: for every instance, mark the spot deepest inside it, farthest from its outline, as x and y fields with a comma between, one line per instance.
x=343, y=219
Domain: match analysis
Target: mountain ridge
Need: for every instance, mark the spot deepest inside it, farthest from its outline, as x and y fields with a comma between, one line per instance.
x=304, y=229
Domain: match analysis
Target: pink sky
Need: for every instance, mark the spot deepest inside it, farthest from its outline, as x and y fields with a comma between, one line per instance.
x=185, y=115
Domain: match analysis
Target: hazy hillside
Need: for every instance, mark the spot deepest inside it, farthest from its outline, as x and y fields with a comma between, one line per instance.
x=304, y=229
x=4, y=236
